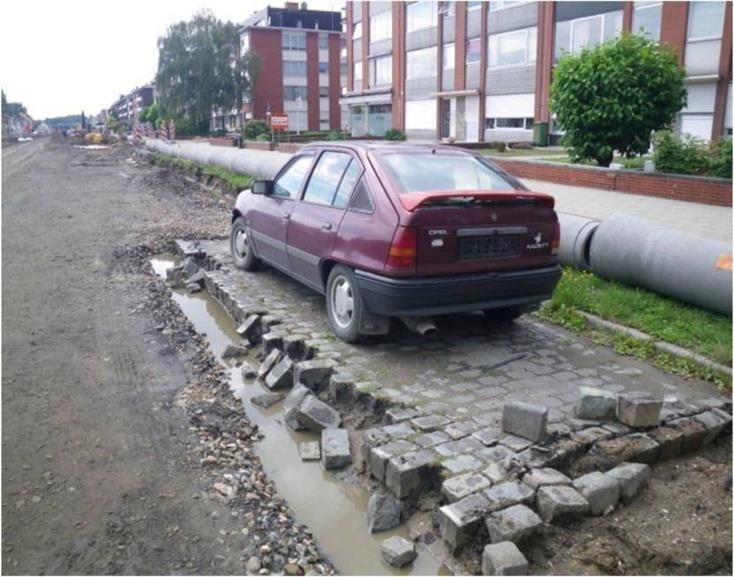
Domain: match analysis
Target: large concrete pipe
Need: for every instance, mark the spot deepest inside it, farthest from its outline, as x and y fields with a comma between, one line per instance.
x=687, y=267
x=576, y=235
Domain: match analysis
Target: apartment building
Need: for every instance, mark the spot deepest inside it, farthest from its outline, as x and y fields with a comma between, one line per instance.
x=128, y=107
x=481, y=71
x=300, y=73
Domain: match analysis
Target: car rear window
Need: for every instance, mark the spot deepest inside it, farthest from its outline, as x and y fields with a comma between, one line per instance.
x=425, y=172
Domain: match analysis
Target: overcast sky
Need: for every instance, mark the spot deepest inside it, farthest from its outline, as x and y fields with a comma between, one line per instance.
x=63, y=56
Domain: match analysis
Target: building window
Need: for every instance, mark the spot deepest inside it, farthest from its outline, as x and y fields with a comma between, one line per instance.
x=292, y=93
x=381, y=71
x=449, y=56
x=496, y=5
x=576, y=35
x=323, y=41
x=421, y=63
x=646, y=19
x=244, y=43
x=705, y=20
x=293, y=41
x=516, y=48
x=421, y=15
x=509, y=123
x=323, y=67
x=294, y=68
x=381, y=26
x=358, y=71
x=323, y=91
x=473, y=50
x=473, y=5
x=357, y=31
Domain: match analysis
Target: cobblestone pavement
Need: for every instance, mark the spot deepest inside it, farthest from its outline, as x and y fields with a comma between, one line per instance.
x=469, y=369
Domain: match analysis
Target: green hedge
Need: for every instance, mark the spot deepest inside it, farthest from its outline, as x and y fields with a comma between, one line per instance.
x=687, y=155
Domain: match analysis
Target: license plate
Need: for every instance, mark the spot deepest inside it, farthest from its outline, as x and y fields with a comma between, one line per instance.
x=489, y=247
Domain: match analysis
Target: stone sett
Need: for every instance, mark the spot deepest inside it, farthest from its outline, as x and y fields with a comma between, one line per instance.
x=281, y=376
x=513, y=524
x=432, y=439
x=430, y=423
x=632, y=477
x=715, y=421
x=638, y=447
x=397, y=551
x=380, y=455
x=525, y=420
x=270, y=361
x=600, y=490
x=335, y=452
x=315, y=374
x=503, y=559
x=509, y=493
x=489, y=436
x=461, y=463
x=670, y=440
x=639, y=412
x=398, y=415
x=316, y=415
x=537, y=478
x=270, y=342
x=411, y=473
x=554, y=501
x=458, y=521
x=596, y=404
x=309, y=451
x=693, y=431
x=467, y=445
x=461, y=486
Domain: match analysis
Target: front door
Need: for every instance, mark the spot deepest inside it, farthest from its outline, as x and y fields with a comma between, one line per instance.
x=316, y=217
x=445, y=118
x=269, y=221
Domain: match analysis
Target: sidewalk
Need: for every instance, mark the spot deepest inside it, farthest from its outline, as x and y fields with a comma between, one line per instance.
x=700, y=219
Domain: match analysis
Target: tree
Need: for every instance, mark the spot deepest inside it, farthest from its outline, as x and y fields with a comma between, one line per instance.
x=149, y=114
x=198, y=69
x=613, y=96
x=12, y=108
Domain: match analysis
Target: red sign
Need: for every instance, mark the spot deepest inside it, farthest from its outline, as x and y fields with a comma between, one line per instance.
x=279, y=122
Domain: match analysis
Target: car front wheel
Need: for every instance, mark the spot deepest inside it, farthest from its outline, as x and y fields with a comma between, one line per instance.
x=344, y=305
x=240, y=246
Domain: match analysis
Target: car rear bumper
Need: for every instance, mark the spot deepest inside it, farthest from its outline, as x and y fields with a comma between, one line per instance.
x=453, y=294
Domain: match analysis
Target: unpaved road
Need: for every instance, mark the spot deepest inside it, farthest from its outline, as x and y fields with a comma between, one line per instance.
x=98, y=469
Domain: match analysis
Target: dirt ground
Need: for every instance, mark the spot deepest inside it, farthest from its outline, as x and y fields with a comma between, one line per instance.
x=101, y=467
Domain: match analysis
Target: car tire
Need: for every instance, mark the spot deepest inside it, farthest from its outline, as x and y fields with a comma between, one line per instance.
x=344, y=304
x=240, y=246
x=504, y=314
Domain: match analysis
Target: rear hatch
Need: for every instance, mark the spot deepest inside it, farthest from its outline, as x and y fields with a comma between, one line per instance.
x=478, y=231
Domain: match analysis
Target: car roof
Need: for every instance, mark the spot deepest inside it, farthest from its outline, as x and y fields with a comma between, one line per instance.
x=384, y=145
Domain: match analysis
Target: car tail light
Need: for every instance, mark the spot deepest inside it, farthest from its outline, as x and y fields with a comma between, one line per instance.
x=402, y=251
x=556, y=242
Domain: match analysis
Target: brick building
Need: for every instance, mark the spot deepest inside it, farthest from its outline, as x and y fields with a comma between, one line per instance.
x=481, y=71
x=129, y=106
x=299, y=73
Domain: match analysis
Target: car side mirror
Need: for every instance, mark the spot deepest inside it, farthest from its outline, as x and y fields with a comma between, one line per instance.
x=262, y=187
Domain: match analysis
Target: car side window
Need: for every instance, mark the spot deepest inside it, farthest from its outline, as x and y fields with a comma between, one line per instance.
x=325, y=179
x=289, y=182
x=346, y=186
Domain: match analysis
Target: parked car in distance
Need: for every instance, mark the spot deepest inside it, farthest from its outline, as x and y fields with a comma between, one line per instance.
x=400, y=230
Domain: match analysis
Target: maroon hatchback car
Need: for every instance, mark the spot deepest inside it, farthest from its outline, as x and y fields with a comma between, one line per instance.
x=400, y=230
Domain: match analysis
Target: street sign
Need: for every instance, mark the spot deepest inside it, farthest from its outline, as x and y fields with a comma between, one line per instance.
x=279, y=122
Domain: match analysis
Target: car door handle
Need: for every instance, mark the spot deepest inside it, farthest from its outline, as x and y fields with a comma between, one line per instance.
x=326, y=226
x=286, y=216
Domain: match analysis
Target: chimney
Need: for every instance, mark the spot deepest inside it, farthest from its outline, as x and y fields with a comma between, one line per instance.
x=291, y=6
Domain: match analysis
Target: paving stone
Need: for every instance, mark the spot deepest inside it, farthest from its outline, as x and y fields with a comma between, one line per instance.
x=380, y=455
x=507, y=494
x=513, y=524
x=503, y=559
x=458, y=521
x=397, y=551
x=617, y=428
x=294, y=346
x=637, y=447
x=461, y=486
x=341, y=388
x=270, y=342
x=496, y=454
x=538, y=478
x=463, y=446
x=535, y=457
x=399, y=430
x=514, y=442
x=270, y=361
x=270, y=321
x=192, y=288
x=316, y=415
x=554, y=501
x=497, y=473
x=489, y=436
x=632, y=477
x=430, y=423
x=670, y=440
x=281, y=375
x=315, y=374
x=460, y=430
x=267, y=400
x=251, y=329
x=397, y=415
x=291, y=404
x=372, y=438
x=335, y=451
x=715, y=422
x=247, y=370
x=639, y=411
x=309, y=451
x=432, y=439
x=596, y=404
x=383, y=512
x=462, y=463
x=600, y=490
x=411, y=473
x=589, y=436
x=693, y=431
x=234, y=351
x=525, y=420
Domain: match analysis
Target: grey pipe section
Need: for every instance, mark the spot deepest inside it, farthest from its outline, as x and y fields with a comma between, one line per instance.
x=576, y=235
x=686, y=267
x=257, y=163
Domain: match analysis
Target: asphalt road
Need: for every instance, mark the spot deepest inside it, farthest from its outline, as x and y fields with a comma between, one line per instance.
x=98, y=470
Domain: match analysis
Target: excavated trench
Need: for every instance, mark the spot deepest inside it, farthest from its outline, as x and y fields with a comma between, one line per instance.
x=333, y=510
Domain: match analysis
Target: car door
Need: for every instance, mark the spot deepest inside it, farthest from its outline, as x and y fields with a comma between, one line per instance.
x=315, y=218
x=269, y=223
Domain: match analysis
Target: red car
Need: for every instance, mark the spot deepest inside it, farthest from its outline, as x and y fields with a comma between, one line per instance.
x=412, y=231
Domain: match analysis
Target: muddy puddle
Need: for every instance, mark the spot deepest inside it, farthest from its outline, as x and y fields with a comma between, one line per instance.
x=334, y=511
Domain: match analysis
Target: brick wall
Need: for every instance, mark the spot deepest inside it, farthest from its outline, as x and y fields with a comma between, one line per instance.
x=716, y=191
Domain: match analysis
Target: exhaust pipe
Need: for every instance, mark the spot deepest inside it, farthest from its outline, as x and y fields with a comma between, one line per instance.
x=422, y=325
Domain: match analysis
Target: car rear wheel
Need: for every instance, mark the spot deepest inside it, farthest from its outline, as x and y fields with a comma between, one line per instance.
x=240, y=246
x=504, y=314
x=344, y=305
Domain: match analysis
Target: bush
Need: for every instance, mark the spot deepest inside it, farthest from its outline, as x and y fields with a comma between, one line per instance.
x=395, y=134
x=255, y=128
x=263, y=137
x=500, y=146
x=335, y=135
x=687, y=155
x=720, y=164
